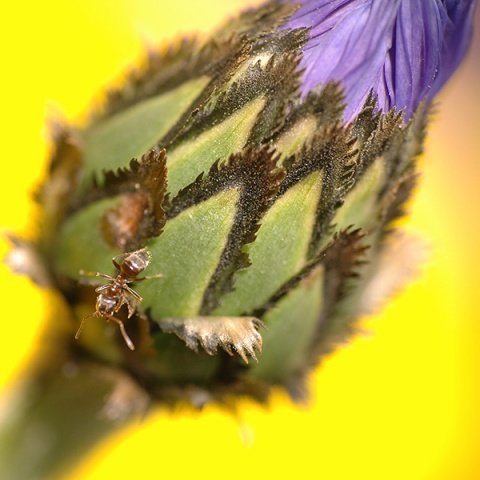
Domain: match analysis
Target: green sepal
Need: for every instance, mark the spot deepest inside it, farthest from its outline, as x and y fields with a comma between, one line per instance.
x=360, y=206
x=246, y=111
x=187, y=254
x=322, y=107
x=253, y=172
x=130, y=215
x=80, y=245
x=192, y=158
x=291, y=324
x=343, y=260
x=279, y=250
x=129, y=134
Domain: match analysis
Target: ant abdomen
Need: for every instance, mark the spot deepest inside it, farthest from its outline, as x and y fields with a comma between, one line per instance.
x=132, y=264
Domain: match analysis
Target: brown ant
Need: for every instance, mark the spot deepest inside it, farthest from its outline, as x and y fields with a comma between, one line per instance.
x=112, y=296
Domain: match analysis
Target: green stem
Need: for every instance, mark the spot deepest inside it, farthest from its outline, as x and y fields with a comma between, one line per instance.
x=52, y=422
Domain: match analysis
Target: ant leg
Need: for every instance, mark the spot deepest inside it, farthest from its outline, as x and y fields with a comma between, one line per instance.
x=148, y=277
x=93, y=274
x=122, y=329
x=103, y=287
x=133, y=293
x=79, y=331
x=108, y=277
x=116, y=264
x=132, y=305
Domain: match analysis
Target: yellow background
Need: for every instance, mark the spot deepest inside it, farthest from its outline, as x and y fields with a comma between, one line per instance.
x=401, y=403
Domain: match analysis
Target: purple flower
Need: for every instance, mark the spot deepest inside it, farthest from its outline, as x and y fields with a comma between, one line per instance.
x=405, y=50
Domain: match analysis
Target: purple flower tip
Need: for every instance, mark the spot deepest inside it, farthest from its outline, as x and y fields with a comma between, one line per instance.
x=405, y=50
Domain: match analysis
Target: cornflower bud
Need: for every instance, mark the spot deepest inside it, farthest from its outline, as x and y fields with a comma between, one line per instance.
x=237, y=197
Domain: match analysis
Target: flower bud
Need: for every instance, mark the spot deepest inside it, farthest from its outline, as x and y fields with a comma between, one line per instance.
x=226, y=171
x=225, y=218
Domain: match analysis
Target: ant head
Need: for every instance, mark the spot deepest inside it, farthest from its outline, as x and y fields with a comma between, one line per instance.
x=135, y=263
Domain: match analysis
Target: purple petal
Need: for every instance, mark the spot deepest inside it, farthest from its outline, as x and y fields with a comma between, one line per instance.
x=405, y=50
x=457, y=33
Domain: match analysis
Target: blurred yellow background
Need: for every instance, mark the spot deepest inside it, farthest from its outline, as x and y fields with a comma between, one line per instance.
x=401, y=403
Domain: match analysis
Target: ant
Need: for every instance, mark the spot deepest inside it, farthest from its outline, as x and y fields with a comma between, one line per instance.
x=112, y=296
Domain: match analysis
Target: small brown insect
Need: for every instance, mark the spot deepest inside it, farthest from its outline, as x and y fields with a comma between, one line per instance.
x=112, y=296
